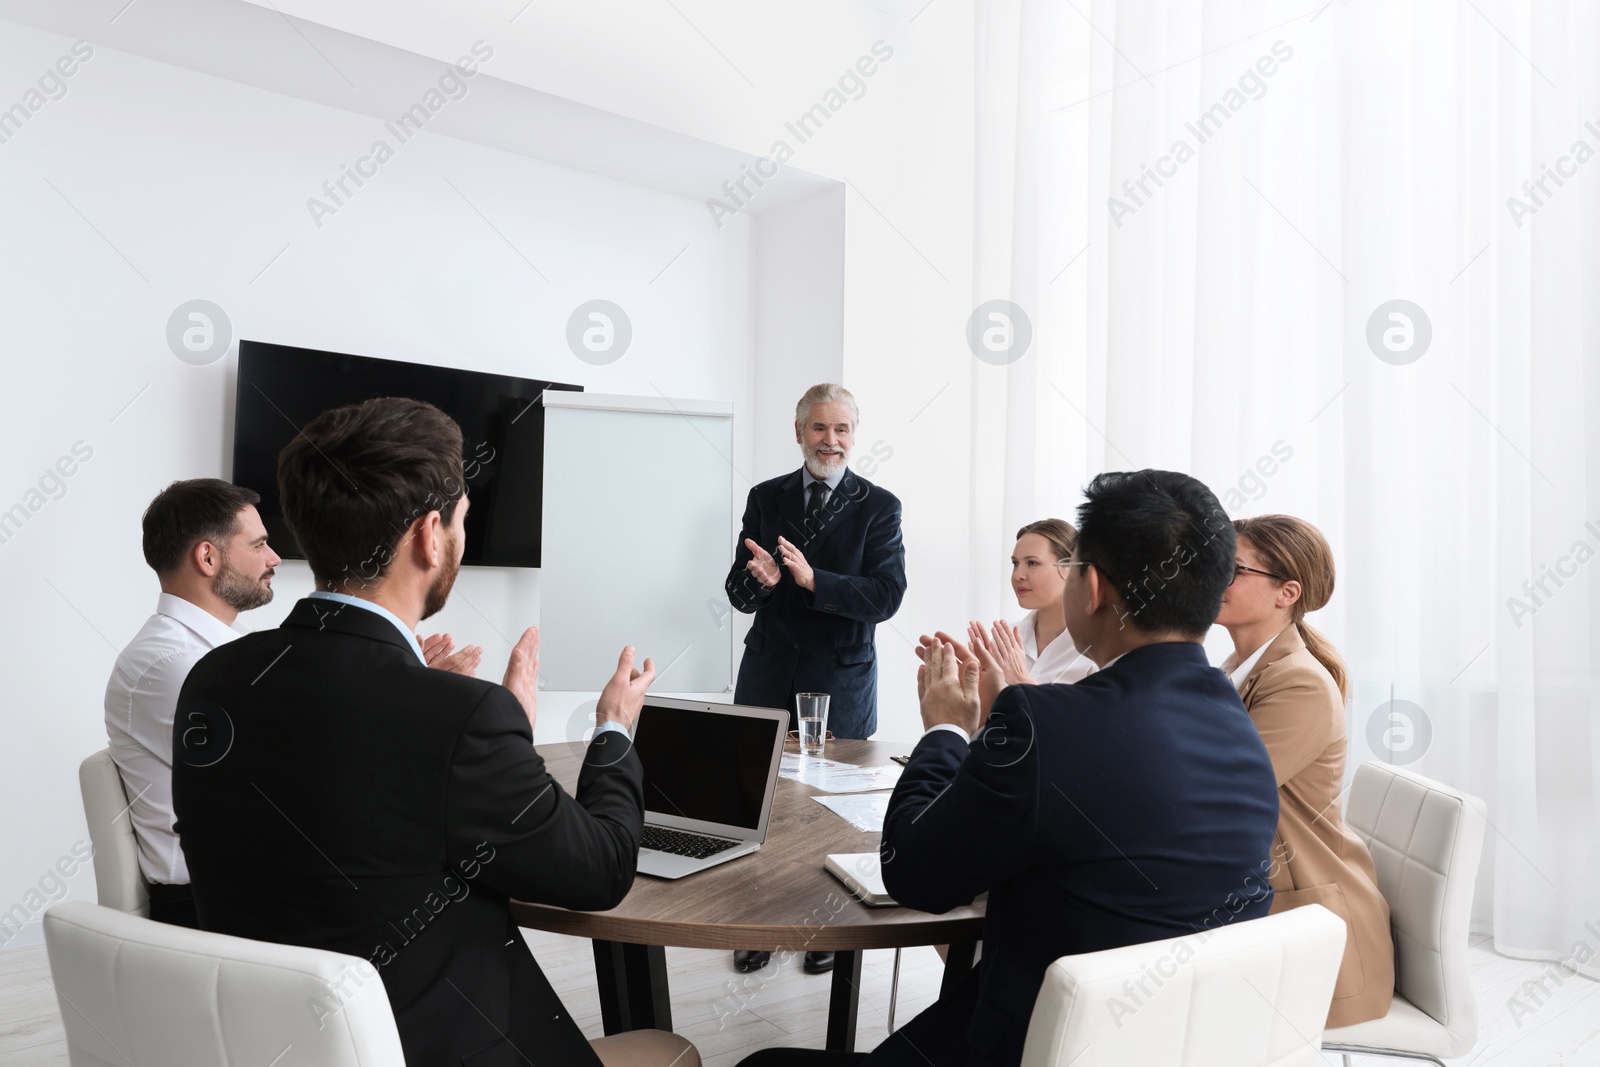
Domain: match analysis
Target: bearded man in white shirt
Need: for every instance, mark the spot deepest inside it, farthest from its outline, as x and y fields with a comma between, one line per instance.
x=207, y=545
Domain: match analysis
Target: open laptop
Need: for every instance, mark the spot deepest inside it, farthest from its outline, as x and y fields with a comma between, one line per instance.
x=710, y=771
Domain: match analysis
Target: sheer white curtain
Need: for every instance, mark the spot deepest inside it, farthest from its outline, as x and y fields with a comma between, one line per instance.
x=1206, y=211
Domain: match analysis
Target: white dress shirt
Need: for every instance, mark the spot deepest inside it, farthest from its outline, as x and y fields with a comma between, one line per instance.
x=1242, y=671
x=1059, y=662
x=828, y=486
x=141, y=702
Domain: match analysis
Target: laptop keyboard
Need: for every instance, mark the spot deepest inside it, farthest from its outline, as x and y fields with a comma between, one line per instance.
x=695, y=846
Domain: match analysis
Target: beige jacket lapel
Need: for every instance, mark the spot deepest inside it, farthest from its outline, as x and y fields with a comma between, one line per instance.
x=1286, y=643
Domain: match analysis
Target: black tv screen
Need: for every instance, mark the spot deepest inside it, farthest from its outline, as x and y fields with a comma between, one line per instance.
x=502, y=427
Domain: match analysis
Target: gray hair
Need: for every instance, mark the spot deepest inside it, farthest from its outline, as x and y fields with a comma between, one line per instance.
x=826, y=393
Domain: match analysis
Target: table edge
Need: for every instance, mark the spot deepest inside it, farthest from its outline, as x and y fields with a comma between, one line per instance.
x=818, y=937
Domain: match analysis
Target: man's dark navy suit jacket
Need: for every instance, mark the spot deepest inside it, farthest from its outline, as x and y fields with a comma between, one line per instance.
x=820, y=641
x=1135, y=805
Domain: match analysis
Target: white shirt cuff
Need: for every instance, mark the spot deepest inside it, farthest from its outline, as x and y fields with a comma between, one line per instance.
x=614, y=726
x=953, y=728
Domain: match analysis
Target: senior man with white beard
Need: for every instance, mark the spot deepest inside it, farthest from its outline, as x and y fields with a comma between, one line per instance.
x=820, y=563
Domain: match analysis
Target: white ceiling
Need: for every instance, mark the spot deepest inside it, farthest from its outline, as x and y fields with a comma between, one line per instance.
x=377, y=59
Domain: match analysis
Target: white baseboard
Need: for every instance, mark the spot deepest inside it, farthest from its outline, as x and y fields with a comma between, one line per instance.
x=29, y=933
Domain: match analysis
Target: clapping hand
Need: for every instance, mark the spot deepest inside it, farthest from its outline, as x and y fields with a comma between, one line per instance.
x=948, y=684
x=1003, y=643
x=761, y=564
x=522, y=673
x=991, y=679
x=623, y=695
x=619, y=701
x=795, y=560
x=438, y=654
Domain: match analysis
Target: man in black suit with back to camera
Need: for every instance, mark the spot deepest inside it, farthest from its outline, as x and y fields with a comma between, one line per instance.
x=820, y=563
x=1136, y=805
x=332, y=791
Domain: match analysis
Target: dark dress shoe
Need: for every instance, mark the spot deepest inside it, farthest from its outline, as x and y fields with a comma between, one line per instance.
x=754, y=960
x=819, y=962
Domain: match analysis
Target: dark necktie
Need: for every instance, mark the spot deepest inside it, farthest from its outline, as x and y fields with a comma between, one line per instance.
x=814, y=504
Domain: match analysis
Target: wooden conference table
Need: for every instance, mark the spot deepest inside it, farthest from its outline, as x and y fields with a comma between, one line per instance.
x=778, y=899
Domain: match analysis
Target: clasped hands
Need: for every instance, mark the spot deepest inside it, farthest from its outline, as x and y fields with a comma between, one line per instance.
x=619, y=702
x=958, y=683
x=765, y=567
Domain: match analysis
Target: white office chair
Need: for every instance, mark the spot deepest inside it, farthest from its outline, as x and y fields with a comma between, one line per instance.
x=136, y=991
x=117, y=880
x=1426, y=839
x=1248, y=994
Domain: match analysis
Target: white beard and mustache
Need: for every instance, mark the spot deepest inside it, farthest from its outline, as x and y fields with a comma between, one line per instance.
x=819, y=469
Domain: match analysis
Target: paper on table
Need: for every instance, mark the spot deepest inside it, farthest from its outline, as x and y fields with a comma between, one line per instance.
x=808, y=769
x=832, y=776
x=858, y=779
x=864, y=811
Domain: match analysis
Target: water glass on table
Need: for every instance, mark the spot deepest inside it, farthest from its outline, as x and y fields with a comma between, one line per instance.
x=812, y=711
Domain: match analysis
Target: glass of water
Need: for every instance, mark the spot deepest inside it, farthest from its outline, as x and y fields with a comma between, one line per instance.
x=812, y=710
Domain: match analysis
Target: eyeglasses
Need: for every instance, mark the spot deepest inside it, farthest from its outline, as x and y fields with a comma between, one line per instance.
x=1064, y=567
x=1239, y=569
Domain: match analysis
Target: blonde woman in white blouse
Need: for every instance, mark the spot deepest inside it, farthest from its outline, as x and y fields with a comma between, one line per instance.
x=1038, y=650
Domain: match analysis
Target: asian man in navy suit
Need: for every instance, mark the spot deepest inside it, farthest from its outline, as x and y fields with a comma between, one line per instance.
x=820, y=563
x=1135, y=805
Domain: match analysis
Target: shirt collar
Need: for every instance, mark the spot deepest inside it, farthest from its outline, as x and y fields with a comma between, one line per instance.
x=357, y=602
x=1030, y=636
x=1248, y=664
x=807, y=478
x=206, y=626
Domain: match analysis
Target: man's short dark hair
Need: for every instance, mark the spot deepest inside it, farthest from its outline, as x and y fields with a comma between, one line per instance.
x=188, y=512
x=1163, y=542
x=353, y=481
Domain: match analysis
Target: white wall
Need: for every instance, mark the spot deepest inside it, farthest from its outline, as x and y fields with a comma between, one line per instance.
x=194, y=184
x=200, y=182
x=902, y=147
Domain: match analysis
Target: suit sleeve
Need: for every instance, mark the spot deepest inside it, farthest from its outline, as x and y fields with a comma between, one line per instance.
x=507, y=818
x=874, y=595
x=961, y=818
x=745, y=593
x=1290, y=711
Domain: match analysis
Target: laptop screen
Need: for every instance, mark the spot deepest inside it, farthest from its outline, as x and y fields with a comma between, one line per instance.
x=703, y=765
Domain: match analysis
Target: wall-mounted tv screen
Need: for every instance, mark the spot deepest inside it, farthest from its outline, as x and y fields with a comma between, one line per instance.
x=502, y=427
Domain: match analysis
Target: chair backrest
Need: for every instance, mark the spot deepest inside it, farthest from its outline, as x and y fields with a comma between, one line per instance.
x=116, y=851
x=1248, y=994
x=136, y=991
x=1426, y=839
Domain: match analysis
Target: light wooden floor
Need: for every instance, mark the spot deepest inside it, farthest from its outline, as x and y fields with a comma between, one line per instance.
x=729, y=1015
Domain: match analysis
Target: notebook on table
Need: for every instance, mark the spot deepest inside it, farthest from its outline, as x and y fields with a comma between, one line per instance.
x=862, y=874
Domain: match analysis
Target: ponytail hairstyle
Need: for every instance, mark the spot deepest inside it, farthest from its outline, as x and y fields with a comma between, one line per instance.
x=1296, y=549
x=1059, y=532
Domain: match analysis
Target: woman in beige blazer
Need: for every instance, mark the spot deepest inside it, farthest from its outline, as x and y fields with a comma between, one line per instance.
x=1293, y=684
